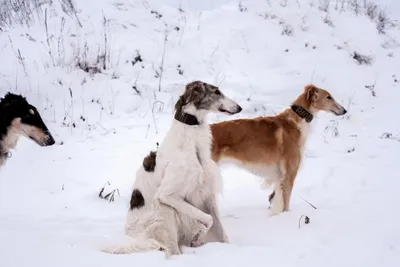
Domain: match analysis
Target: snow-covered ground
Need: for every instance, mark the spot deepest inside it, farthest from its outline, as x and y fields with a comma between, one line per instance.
x=261, y=53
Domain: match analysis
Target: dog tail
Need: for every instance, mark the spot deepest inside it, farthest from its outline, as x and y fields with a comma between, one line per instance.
x=135, y=245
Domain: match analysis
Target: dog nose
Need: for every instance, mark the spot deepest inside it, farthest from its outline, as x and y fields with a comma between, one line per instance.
x=50, y=141
x=344, y=111
x=239, y=108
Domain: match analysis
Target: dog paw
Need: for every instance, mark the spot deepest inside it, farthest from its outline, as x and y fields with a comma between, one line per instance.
x=197, y=241
x=208, y=222
x=274, y=211
x=224, y=239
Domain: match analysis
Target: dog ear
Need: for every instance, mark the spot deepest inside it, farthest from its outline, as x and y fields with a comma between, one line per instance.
x=194, y=92
x=311, y=92
x=191, y=95
x=179, y=104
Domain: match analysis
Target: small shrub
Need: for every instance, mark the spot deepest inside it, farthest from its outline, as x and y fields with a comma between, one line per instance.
x=382, y=23
x=351, y=150
x=180, y=71
x=287, y=30
x=264, y=15
x=242, y=8
x=333, y=128
x=390, y=137
x=362, y=59
x=92, y=68
x=356, y=6
x=371, y=10
x=372, y=89
x=324, y=5
x=158, y=15
x=138, y=58
x=328, y=21
x=303, y=27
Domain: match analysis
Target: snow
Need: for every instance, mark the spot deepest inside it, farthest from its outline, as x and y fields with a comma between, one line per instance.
x=50, y=212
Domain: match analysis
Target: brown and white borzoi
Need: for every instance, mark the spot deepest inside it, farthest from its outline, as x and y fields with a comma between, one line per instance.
x=272, y=147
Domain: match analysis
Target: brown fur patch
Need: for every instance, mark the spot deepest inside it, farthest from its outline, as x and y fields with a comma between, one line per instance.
x=137, y=199
x=149, y=162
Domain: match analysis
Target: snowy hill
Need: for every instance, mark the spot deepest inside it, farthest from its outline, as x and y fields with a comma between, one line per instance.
x=105, y=75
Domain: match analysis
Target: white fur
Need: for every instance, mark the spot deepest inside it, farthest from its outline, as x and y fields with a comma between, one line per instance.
x=180, y=195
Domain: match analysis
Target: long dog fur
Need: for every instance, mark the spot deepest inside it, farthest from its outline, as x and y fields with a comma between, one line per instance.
x=174, y=202
x=18, y=117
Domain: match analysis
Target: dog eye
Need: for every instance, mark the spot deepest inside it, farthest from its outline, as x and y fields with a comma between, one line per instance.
x=218, y=92
x=31, y=111
x=329, y=97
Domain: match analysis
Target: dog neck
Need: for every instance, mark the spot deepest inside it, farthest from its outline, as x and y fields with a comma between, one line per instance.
x=302, y=109
x=190, y=115
x=8, y=140
x=302, y=112
x=184, y=133
x=186, y=118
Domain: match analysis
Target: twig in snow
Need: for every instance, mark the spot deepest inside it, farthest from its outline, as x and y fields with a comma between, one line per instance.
x=18, y=55
x=287, y=30
x=147, y=132
x=106, y=52
x=198, y=26
x=371, y=88
x=162, y=61
x=362, y=59
x=69, y=8
x=309, y=203
x=245, y=42
x=102, y=190
x=112, y=193
x=241, y=7
x=390, y=137
x=72, y=110
x=152, y=112
x=306, y=220
x=109, y=196
x=61, y=50
x=48, y=37
x=324, y=5
x=136, y=90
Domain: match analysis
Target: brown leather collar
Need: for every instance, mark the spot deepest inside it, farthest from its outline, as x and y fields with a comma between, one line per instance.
x=186, y=118
x=302, y=112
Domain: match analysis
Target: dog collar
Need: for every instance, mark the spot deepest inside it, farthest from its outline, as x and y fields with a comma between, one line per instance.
x=187, y=118
x=302, y=112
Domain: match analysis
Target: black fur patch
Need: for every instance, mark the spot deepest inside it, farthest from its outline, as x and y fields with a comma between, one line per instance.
x=149, y=162
x=271, y=197
x=14, y=106
x=137, y=200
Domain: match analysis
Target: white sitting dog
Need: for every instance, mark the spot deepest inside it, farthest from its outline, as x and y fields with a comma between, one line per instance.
x=173, y=201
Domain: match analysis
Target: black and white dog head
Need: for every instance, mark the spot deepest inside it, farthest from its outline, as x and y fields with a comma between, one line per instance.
x=19, y=117
x=200, y=98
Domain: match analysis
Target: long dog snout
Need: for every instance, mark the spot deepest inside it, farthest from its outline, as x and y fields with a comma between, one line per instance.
x=40, y=136
x=50, y=139
x=229, y=106
x=339, y=109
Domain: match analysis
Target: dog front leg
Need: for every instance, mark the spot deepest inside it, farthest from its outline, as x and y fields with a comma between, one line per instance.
x=216, y=232
x=182, y=206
